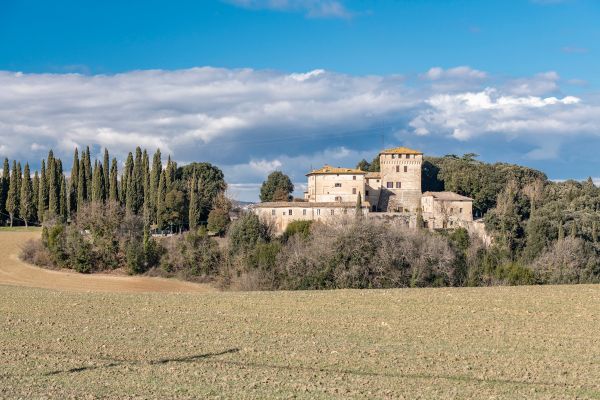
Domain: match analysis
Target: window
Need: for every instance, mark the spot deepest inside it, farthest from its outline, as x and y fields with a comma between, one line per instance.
x=407, y=156
x=338, y=185
x=273, y=212
x=393, y=156
x=332, y=211
x=366, y=192
x=304, y=211
x=451, y=210
x=290, y=212
x=353, y=190
x=398, y=168
x=398, y=185
x=318, y=211
x=345, y=211
x=353, y=177
x=390, y=185
x=405, y=168
x=338, y=198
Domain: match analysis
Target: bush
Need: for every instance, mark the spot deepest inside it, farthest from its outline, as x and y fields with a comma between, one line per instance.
x=246, y=232
x=191, y=255
x=570, y=260
x=218, y=220
x=35, y=253
x=301, y=228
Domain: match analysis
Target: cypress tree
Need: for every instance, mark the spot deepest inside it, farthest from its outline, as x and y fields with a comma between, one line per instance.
x=64, y=205
x=98, y=191
x=88, y=173
x=74, y=179
x=12, y=201
x=135, y=185
x=81, y=187
x=43, y=194
x=4, y=183
x=154, y=180
x=194, y=208
x=161, y=194
x=106, y=176
x=113, y=194
x=36, y=193
x=358, y=206
x=127, y=174
x=573, y=229
x=561, y=232
x=26, y=209
x=19, y=178
x=53, y=190
x=146, y=198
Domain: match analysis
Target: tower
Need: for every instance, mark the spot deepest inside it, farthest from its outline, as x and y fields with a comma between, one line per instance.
x=400, y=179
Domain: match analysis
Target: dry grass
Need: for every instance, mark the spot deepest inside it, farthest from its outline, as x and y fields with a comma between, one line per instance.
x=502, y=342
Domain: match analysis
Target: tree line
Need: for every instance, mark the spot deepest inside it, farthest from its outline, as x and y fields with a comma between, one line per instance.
x=163, y=195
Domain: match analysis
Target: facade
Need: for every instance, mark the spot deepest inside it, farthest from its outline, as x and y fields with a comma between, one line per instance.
x=392, y=194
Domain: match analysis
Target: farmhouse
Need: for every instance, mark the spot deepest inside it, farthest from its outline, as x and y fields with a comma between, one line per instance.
x=394, y=193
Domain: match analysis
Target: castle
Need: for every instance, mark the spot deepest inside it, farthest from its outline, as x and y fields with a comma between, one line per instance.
x=394, y=193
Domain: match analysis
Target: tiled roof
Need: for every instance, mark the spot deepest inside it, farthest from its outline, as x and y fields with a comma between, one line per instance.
x=328, y=169
x=373, y=175
x=309, y=204
x=400, y=150
x=449, y=196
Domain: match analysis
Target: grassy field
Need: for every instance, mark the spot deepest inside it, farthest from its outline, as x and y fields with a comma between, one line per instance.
x=503, y=342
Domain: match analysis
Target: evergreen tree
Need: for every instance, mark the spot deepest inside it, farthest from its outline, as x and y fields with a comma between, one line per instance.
x=594, y=231
x=36, y=193
x=98, y=190
x=26, y=209
x=363, y=165
x=359, y=213
x=88, y=173
x=106, y=176
x=170, y=173
x=113, y=194
x=53, y=185
x=42, y=195
x=81, y=186
x=194, y=207
x=561, y=232
x=127, y=175
x=574, y=229
x=12, y=201
x=154, y=181
x=160, y=200
x=277, y=183
x=4, y=184
x=64, y=203
x=73, y=182
x=146, y=197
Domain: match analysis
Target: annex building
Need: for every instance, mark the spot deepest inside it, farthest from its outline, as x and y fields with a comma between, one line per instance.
x=393, y=194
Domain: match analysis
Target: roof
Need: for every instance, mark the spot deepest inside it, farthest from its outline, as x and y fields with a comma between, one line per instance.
x=448, y=196
x=400, y=150
x=328, y=169
x=373, y=175
x=309, y=204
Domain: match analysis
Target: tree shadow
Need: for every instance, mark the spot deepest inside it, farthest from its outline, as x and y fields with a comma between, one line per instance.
x=151, y=362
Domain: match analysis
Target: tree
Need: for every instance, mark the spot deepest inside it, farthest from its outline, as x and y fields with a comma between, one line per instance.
x=36, y=193
x=246, y=232
x=276, y=180
x=194, y=206
x=160, y=200
x=375, y=167
x=73, y=180
x=211, y=182
x=64, y=202
x=154, y=181
x=81, y=187
x=363, y=165
x=87, y=168
x=359, y=212
x=26, y=209
x=98, y=188
x=127, y=175
x=106, y=173
x=4, y=183
x=12, y=201
x=174, y=207
x=113, y=194
x=42, y=195
x=218, y=220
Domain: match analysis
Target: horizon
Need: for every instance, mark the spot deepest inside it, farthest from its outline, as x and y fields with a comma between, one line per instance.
x=254, y=86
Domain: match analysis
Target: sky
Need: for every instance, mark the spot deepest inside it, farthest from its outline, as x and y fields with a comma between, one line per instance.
x=260, y=85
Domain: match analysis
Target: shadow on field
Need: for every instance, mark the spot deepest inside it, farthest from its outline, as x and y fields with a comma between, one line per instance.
x=151, y=362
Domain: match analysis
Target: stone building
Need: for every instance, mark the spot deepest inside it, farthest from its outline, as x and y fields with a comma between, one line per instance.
x=392, y=194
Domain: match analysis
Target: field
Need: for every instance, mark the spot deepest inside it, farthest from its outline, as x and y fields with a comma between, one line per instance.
x=501, y=342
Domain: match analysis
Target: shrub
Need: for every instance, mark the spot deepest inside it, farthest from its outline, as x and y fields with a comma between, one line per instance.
x=246, y=232
x=570, y=260
x=301, y=228
x=191, y=254
x=218, y=220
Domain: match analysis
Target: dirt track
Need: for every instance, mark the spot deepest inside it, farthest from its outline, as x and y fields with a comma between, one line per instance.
x=17, y=273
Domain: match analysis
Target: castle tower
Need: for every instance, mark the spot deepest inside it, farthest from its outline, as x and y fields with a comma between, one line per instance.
x=400, y=180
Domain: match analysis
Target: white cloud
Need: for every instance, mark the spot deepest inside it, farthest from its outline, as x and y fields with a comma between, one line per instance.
x=311, y=8
x=250, y=122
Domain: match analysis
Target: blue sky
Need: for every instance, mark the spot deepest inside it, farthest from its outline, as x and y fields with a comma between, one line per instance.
x=254, y=85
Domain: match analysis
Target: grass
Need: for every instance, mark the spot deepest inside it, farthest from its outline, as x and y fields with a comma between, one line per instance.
x=19, y=229
x=501, y=342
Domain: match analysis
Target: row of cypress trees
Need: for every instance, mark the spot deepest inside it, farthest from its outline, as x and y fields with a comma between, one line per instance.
x=141, y=189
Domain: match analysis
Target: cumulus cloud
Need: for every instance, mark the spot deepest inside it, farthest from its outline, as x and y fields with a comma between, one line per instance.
x=251, y=122
x=311, y=8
